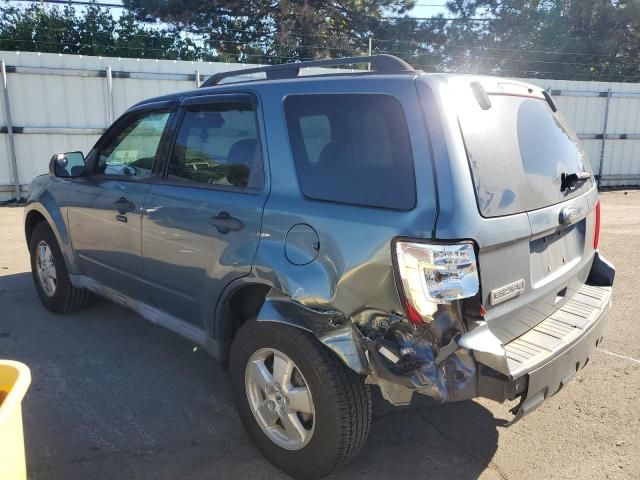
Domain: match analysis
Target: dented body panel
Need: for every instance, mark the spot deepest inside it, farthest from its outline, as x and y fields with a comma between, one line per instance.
x=353, y=268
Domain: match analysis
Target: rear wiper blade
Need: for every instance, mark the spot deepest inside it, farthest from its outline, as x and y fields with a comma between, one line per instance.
x=568, y=180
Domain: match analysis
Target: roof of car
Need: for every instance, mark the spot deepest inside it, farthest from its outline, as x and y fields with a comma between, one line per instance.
x=261, y=83
x=385, y=66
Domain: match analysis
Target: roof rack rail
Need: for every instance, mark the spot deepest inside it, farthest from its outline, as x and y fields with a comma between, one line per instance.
x=381, y=63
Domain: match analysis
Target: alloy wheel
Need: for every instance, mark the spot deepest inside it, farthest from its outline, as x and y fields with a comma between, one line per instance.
x=46, y=269
x=280, y=399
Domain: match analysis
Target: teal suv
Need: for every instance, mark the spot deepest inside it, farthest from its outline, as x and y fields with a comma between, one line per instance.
x=322, y=234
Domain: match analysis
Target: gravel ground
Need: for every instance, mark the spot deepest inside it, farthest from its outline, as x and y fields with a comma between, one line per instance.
x=116, y=397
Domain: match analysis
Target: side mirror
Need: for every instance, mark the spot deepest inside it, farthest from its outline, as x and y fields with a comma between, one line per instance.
x=67, y=165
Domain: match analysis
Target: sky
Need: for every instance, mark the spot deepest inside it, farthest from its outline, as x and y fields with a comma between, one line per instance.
x=428, y=8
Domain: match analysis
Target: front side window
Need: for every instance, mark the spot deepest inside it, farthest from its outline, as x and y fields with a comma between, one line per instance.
x=133, y=151
x=217, y=144
x=352, y=149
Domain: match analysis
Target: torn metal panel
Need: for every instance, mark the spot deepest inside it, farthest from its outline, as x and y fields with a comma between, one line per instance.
x=486, y=347
x=453, y=380
x=396, y=356
x=332, y=328
x=602, y=271
x=397, y=395
x=344, y=341
x=460, y=376
x=425, y=378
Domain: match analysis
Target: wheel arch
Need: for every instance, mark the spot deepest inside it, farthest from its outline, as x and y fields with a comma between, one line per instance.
x=48, y=211
x=32, y=218
x=240, y=301
x=248, y=299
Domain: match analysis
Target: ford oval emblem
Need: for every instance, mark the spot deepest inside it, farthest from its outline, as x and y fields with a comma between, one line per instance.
x=568, y=215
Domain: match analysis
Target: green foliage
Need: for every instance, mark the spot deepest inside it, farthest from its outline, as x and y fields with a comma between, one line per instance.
x=581, y=40
x=91, y=32
x=586, y=39
x=269, y=31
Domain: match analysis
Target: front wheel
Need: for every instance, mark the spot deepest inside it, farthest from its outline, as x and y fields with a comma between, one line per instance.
x=50, y=275
x=303, y=408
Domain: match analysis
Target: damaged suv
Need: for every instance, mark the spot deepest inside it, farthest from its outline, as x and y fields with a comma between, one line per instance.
x=429, y=234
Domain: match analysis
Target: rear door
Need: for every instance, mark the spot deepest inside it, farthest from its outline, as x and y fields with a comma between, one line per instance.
x=535, y=234
x=202, y=219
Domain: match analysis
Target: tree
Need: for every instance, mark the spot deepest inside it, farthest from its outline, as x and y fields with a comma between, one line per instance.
x=582, y=40
x=92, y=32
x=269, y=31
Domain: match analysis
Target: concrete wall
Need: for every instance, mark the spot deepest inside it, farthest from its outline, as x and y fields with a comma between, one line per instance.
x=64, y=102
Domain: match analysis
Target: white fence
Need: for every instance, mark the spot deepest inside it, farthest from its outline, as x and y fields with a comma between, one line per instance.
x=60, y=102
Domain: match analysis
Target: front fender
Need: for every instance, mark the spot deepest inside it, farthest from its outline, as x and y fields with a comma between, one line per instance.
x=45, y=203
x=331, y=328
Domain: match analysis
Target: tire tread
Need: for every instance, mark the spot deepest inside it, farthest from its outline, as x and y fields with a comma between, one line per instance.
x=67, y=298
x=348, y=392
x=354, y=404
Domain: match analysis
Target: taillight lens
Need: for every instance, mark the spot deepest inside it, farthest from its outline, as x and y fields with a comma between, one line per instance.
x=596, y=233
x=432, y=274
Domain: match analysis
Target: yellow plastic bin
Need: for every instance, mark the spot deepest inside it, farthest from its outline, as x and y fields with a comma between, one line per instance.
x=15, y=378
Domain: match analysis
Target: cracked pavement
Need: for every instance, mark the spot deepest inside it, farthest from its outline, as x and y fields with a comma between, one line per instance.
x=116, y=397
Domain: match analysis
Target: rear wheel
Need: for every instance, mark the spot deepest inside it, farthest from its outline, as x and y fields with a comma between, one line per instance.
x=50, y=275
x=303, y=408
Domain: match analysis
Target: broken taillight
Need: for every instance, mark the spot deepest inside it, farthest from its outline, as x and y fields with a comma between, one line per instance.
x=431, y=273
x=596, y=233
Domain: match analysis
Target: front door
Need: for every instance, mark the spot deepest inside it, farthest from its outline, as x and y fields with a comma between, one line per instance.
x=202, y=220
x=105, y=207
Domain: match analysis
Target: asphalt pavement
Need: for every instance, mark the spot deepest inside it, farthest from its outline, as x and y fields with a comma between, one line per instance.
x=115, y=397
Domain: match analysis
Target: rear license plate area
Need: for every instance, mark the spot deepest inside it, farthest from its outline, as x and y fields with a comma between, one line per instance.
x=556, y=251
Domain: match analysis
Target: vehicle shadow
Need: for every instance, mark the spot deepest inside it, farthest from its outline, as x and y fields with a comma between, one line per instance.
x=17, y=281
x=427, y=439
x=114, y=396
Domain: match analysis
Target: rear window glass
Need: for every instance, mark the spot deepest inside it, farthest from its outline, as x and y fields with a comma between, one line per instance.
x=352, y=149
x=517, y=151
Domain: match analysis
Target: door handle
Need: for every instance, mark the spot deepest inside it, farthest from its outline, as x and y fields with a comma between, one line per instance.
x=225, y=223
x=124, y=206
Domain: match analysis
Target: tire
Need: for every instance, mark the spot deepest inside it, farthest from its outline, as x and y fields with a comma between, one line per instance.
x=340, y=398
x=64, y=297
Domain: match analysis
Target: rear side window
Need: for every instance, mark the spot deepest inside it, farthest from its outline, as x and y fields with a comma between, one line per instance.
x=217, y=144
x=518, y=149
x=352, y=149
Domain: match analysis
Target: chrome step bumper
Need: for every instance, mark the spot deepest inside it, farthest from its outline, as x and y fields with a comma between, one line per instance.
x=540, y=362
x=553, y=364
x=559, y=332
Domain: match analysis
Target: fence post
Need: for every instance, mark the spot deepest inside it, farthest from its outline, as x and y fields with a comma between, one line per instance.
x=604, y=135
x=197, y=78
x=109, y=96
x=370, y=49
x=12, y=145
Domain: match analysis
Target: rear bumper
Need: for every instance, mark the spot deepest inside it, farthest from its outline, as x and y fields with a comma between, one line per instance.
x=546, y=379
x=536, y=365
x=553, y=339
